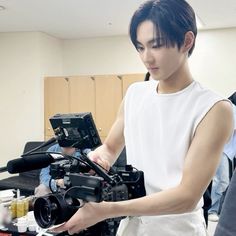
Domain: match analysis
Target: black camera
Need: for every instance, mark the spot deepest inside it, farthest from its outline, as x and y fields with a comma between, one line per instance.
x=80, y=185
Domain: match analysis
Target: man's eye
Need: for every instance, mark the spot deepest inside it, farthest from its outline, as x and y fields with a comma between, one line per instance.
x=139, y=48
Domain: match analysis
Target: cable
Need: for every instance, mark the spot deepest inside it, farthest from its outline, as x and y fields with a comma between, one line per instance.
x=43, y=152
x=50, y=186
x=50, y=141
x=80, y=200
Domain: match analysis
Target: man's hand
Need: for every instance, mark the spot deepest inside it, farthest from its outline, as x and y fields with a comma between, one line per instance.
x=90, y=214
x=100, y=161
x=60, y=183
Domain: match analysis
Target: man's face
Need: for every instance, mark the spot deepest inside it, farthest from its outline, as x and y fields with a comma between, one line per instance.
x=161, y=62
x=68, y=150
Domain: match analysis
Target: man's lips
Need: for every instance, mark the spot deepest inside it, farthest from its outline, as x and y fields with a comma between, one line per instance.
x=153, y=68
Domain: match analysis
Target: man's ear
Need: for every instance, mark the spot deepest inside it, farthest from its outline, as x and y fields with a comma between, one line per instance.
x=189, y=39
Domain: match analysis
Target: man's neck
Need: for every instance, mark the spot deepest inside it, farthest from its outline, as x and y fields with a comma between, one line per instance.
x=177, y=82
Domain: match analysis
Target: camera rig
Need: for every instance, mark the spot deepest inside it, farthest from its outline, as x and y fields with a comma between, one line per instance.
x=79, y=131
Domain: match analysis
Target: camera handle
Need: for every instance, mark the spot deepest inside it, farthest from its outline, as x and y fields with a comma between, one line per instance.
x=99, y=170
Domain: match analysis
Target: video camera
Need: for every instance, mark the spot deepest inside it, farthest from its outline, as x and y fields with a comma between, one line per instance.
x=78, y=130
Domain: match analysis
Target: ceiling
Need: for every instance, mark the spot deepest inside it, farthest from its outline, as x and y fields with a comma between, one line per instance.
x=73, y=19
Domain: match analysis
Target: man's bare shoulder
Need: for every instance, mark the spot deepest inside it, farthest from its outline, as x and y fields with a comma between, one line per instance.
x=223, y=110
x=219, y=119
x=224, y=105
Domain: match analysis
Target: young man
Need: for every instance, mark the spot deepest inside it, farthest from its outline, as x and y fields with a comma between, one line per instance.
x=174, y=131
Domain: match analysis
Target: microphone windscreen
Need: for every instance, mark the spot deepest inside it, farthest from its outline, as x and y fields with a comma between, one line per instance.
x=28, y=163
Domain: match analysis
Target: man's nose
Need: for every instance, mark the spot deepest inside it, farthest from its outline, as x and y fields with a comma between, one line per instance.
x=148, y=56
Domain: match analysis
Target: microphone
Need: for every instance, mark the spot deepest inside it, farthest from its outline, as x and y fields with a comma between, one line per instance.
x=33, y=162
x=3, y=169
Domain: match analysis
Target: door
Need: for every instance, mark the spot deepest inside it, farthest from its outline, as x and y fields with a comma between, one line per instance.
x=56, y=100
x=108, y=99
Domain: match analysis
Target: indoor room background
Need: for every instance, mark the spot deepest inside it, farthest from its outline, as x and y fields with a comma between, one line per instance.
x=27, y=57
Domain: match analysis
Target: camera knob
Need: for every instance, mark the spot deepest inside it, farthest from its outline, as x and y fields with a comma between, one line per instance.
x=128, y=167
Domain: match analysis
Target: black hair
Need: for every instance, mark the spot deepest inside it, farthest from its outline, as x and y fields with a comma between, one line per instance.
x=147, y=76
x=171, y=18
x=232, y=98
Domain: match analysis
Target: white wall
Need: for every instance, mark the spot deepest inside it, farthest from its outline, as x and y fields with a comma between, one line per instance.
x=213, y=60
x=24, y=59
x=109, y=55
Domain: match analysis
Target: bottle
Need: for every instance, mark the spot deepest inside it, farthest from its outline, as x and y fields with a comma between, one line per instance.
x=26, y=205
x=20, y=209
x=13, y=208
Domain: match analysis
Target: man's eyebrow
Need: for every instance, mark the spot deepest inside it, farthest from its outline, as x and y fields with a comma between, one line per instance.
x=154, y=40
x=138, y=43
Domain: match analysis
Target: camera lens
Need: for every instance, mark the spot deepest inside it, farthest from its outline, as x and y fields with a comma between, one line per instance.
x=54, y=209
x=45, y=212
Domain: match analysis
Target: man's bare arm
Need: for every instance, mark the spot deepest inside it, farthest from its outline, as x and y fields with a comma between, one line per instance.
x=199, y=168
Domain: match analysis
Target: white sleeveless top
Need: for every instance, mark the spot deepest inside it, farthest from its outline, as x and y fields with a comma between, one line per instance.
x=159, y=129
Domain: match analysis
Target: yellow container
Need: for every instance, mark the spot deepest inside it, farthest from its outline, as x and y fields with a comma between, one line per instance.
x=13, y=208
x=20, y=208
x=26, y=206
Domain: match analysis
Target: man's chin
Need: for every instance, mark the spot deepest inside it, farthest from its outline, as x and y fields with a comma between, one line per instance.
x=155, y=77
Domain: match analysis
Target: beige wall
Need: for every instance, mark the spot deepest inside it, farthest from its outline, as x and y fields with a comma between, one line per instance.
x=213, y=60
x=110, y=55
x=25, y=58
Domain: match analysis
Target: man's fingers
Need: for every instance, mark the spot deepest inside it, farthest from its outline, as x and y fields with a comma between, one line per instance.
x=58, y=229
x=93, y=156
x=62, y=228
x=97, y=159
x=74, y=230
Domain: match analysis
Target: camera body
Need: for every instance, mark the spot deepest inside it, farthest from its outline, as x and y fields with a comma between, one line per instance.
x=56, y=208
x=82, y=185
x=126, y=183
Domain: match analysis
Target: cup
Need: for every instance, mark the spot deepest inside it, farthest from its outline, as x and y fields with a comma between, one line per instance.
x=32, y=227
x=30, y=215
x=22, y=227
x=4, y=214
x=23, y=218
